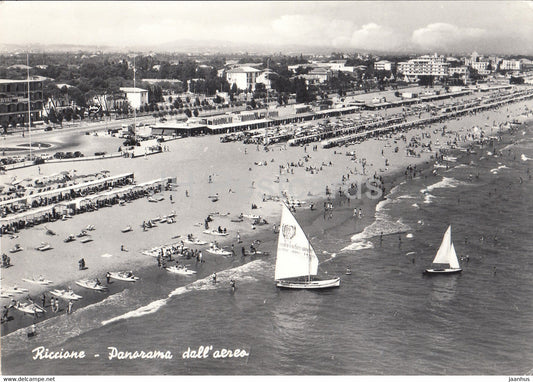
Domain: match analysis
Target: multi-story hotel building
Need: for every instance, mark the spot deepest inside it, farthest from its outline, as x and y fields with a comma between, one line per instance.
x=424, y=66
x=14, y=100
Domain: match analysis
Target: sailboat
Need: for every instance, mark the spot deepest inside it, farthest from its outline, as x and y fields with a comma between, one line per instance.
x=445, y=260
x=296, y=261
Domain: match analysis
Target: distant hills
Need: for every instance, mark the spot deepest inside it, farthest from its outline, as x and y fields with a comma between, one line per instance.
x=196, y=47
x=184, y=46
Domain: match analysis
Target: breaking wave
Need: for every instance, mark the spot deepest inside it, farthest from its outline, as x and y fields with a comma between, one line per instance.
x=223, y=278
x=383, y=224
x=497, y=169
x=444, y=183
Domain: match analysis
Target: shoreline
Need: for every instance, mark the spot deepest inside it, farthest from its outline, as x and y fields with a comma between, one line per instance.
x=392, y=176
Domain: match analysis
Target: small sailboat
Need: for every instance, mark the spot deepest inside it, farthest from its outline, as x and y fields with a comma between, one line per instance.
x=67, y=295
x=15, y=290
x=296, y=261
x=44, y=247
x=215, y=232
x=82, y=233
x=123, y=276
x=180, y=270
x=256, y=253
x=16, y=248
x=194, y=241
x=70, y=238
x=218, y=251
x=40, y=280
x=30, y=308
x=445, y=260
x=91, y=284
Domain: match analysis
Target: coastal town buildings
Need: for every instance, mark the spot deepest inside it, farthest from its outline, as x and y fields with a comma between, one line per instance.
x=266, y=77
x=14, y=100
x=136, y=97
x=461, y=72
x=245, y=77
x=482, y=67
x=339, y=65
x=383, y=65
x=511, y=65
x=317, y=76
x=424, y=66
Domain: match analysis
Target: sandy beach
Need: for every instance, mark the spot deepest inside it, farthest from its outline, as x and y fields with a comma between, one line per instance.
x=240, y=174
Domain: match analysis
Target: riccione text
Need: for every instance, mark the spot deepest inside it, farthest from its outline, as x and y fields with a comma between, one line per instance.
x=114, y=353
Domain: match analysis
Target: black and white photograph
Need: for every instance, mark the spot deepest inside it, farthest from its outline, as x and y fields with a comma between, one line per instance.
x=266, y=188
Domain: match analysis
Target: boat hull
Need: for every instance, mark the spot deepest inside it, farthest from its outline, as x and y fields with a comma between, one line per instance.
x=40, y=282
x=220, y=252
x=442, y=271
x=313, y=284
x=89, y=285
x=30, y=309
x=216, y=233
x=181, y=271
x=65, y=295
x=117, y=276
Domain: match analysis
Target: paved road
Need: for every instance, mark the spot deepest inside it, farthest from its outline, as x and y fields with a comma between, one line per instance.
x=38, y=134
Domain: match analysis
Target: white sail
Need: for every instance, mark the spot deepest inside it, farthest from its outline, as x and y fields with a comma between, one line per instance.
x=295, y=257
x=442, y=254
x=454, y=262
x=446, y=253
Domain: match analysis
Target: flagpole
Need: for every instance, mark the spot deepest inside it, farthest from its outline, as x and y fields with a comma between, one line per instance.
x=29, y=100
x=134, y=109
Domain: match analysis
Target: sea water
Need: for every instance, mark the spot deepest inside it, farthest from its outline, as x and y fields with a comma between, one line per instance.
x=387, y=318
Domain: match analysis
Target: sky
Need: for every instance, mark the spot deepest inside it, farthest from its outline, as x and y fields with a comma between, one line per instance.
x=440, y=26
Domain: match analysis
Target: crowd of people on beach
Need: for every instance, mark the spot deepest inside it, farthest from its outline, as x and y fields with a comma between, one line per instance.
x=88, y=206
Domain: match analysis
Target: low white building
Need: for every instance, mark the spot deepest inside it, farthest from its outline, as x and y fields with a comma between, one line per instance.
x=340, y=66
x=510, y=65
x=137, y=97
x=317, y=76
x=245, y=77
x=266, y=78
x=482, y=67
x=383, y=65
x=459, y=71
